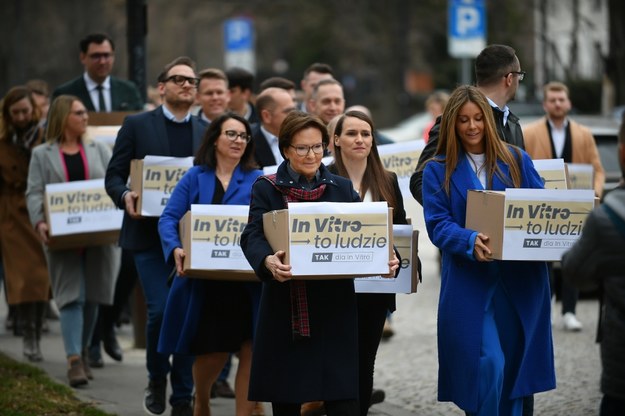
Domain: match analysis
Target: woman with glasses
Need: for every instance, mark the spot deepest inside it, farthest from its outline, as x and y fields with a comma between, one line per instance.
x=356, y=157
x=306, y=347
x=85, y=277
x=494, y=329
x=27, y=282
x=209, y=318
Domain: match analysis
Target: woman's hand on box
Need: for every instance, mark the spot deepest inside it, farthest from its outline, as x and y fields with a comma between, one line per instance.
x=42, y=231
x=179, y=256
x=280, y=271
x=480, y=250
x=392, y=267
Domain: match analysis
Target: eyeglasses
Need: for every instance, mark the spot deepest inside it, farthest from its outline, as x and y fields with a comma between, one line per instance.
x=521, y=74
x=179, y=80
x=233, y=135
x=103, y=55
x=79, y=113
x=303, y=150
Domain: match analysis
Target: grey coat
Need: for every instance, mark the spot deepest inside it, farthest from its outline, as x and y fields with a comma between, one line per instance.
x=597, y=260
x=67, y=271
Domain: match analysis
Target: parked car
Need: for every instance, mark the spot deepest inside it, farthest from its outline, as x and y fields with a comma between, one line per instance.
x=408, y=129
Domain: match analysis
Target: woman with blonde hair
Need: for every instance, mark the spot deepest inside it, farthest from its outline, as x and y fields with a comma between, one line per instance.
x=84, y=277
x=494, y=330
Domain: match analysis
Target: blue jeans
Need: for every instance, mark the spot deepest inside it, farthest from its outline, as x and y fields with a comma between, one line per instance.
x=78, y=319
x=153, y=273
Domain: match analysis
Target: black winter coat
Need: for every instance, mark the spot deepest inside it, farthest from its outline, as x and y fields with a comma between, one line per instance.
x=324, y=366
x=597, y=260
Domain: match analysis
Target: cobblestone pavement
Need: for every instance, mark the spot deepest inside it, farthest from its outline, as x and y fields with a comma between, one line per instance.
x=406, y=365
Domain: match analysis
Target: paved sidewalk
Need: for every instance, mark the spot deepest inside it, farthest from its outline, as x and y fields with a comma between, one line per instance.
x=118, y=387
x=406, y=365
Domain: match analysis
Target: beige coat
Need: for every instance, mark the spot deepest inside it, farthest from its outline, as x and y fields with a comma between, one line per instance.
x=96, y=266
x=25, y=269
x=538, y=146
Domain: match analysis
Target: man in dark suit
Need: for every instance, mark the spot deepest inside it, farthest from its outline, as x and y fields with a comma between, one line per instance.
x=273, y=105
x=169, y=130
x=96, y=88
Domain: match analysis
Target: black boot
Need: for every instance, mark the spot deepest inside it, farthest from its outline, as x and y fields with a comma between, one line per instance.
x=28, y=317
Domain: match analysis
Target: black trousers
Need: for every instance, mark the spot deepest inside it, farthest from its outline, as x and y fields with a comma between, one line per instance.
x=372, y=310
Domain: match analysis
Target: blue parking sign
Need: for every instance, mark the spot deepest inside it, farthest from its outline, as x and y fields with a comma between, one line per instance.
x=239, y=48
x=467, y=28
x=238, y=34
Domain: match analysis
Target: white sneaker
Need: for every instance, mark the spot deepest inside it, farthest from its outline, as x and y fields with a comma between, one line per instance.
x=570, y=322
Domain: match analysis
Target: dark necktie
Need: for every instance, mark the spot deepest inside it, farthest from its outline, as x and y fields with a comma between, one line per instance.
x=101, y=103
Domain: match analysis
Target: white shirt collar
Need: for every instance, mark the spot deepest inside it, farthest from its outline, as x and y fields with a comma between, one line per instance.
x=505, y=109
x=170, y=116
x=92, y=85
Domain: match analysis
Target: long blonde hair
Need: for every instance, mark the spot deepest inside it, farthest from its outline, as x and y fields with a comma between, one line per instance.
x=57, y=118
x=449, y=144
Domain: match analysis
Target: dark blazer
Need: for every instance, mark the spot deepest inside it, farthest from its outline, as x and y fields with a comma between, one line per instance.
x=262, y=151
x=466, y=283
x=124, y=94
x=140, y=135
x=325, y=366
x=185, y=304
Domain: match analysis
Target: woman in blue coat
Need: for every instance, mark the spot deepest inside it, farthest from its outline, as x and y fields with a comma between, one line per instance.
x=494, y=331
x=306, y=345
x=209, y=318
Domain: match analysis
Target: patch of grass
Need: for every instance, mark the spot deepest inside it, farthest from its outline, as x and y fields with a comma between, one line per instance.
x=27, y=390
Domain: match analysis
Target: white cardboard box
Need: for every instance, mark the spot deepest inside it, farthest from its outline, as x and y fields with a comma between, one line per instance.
x=581, y=175
x=332, y=240
x=406, y=242
x=80, y=213
x=154, y=179
x=553, y=172
x=211, y=239
x=529, y=224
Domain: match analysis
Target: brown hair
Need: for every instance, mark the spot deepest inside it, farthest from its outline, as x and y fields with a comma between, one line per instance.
x=213, y=73
x=295, y=122
x=376, y=179
x=450, y=146
x=554, y=86
x=181, y=60
x=14, y=95
x=205, y=154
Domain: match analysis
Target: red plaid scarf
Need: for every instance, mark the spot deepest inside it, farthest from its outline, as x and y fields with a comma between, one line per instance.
x=300, y=324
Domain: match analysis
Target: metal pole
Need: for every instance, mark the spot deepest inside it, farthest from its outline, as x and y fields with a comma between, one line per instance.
x=465, y=77
x=137, y=29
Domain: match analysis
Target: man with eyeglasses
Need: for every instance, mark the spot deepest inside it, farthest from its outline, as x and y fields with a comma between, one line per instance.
x=97, y=88
x=497, y=74
x=168, y=130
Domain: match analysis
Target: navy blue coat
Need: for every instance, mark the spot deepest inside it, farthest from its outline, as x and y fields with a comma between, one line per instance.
x=182, y=318
x=140, y=135
x=325, y=366
x=466, y=282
